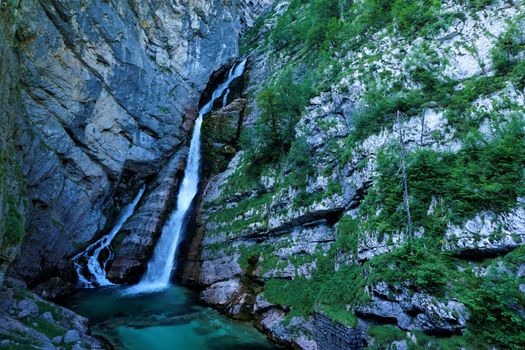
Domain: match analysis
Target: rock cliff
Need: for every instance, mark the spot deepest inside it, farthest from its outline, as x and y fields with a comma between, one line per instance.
x=98, y=99
x=106, y=87
x=364, y=186
x=108, y=91
x=311, y=237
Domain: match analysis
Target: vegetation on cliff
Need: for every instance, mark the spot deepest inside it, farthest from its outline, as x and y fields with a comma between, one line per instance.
x=472, y=166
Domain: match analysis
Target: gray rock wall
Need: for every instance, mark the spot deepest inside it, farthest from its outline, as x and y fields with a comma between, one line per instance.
x=105, y=87
x=334, y=336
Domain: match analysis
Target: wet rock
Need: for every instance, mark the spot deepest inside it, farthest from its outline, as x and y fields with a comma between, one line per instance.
x=96, y=115
x=57, y=340
x=221, y=132
x=219, y=269
x=298, y=332
x=261, y=304
x=20, y=333
x=54, y=288
x=47, y=316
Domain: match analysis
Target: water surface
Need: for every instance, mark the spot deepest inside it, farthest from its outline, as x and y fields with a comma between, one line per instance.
x=170, y=319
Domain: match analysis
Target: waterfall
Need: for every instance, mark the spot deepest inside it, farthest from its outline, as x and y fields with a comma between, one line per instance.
x=158, y=272
x=91, y=254
x=225, y=98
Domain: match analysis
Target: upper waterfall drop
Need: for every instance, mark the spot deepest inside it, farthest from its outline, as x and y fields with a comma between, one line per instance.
x=158, y=272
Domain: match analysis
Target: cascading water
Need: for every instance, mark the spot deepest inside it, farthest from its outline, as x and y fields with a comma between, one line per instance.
x=159, y=268
x=91, y=254
x=225, y=98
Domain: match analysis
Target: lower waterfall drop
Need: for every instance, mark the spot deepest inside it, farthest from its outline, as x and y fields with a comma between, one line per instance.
x=96, y=269
x=158, y=272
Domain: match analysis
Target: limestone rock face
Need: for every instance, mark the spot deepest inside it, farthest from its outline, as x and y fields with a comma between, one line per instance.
x=265, y=227
x=221, y=129
x=488, y=233
x=105, y=89
x=412, y=311
x=229, y=297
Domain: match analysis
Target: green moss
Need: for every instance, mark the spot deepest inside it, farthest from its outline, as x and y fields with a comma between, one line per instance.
x=328, y=291
x=14, y=227
x=347, y=234
x=45, y=327
x=48, y=307
x=19, y=341
x=385, y=335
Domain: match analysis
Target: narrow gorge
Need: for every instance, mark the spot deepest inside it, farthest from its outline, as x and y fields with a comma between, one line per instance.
x=262, y=174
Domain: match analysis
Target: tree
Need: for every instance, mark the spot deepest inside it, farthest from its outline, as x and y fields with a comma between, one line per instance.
x=406, y=197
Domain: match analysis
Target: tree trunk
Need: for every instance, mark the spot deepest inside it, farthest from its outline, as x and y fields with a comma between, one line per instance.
x=406, y=197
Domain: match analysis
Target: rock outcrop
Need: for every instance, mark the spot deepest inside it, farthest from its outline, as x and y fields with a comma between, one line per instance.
x=98, y=99
x=27, y=321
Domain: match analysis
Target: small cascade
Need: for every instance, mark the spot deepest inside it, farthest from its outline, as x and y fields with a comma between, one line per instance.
x=225, y=98
x=158, y=273
x=90, y=269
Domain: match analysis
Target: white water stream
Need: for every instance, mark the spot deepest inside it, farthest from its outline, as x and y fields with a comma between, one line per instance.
x=158, y=273
x=96, y=276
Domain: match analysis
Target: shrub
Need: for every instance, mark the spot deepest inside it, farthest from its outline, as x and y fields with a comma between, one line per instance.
x=328, y=291
x=493, y=302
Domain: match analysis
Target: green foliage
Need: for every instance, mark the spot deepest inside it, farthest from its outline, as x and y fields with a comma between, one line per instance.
x=328, y=291
x=14, y=226
x=488, y=175
x=299, y=162
x=319, y=26
x=483, y=175
x=507, y=55
x=347, y=234
x=412, y=16
x=380, y=108
x=494, y=302
x=281, y=103
x=425, y=268
x=48, y=328
x=459, y=102
x=509, y=46
x=385, y=335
